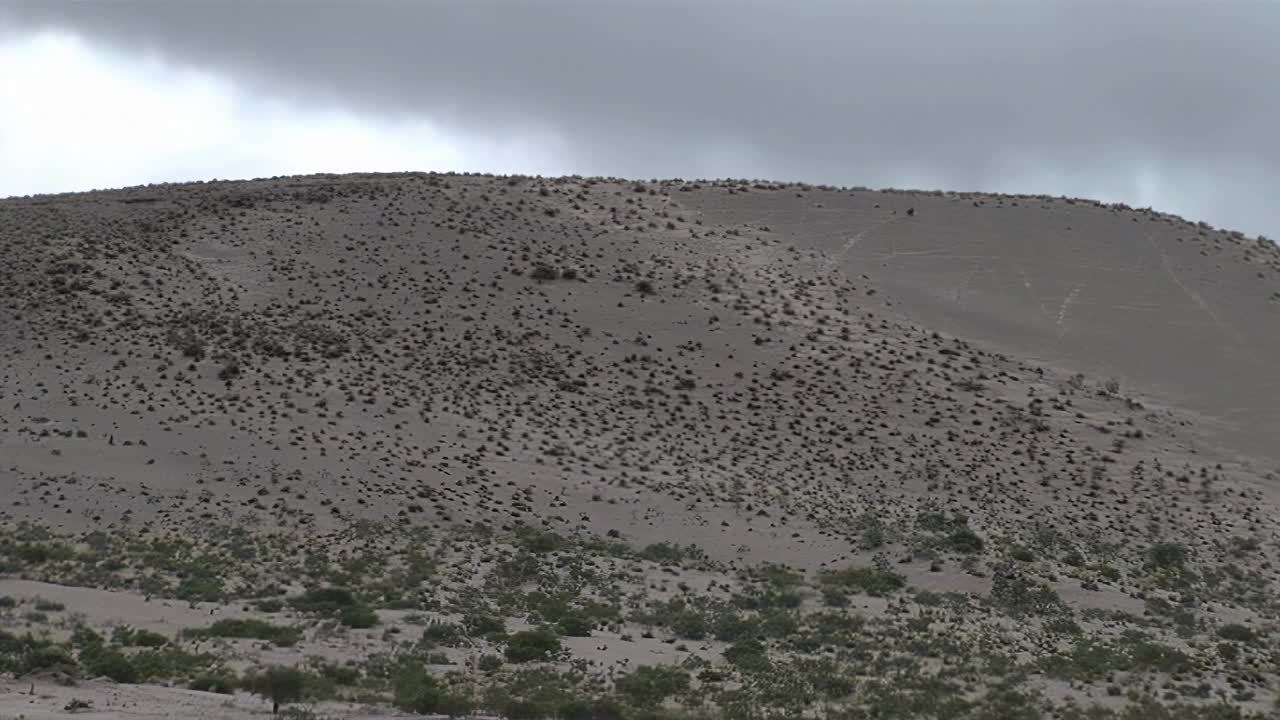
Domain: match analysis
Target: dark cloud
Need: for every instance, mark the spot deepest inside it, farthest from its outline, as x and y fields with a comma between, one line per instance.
x=1167, y=103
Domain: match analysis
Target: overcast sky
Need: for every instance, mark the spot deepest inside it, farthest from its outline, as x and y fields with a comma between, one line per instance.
x=1168, y=104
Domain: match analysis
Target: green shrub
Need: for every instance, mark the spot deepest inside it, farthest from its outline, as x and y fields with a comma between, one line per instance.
x=414, y=690
x=170, y=662
x=489, y=663
x=538, y=645
x=248, y=628
x=84, y=636
x=749, y=654
x=443, y=633
x=1020, y=596
x=358, y=616
x=689, y=624
x=1237, y=632
x=269, y=605
x=872, y=581
x=44, y=657
x=729, y=626
x=481, y=625
x=648, y=686
x=276, y=683
x=574, y=625
x=339, y=674
x=127, y=636
x=539, y=541
x=223, y=683
x=835, y=597
x=663, y=552
x=1156, y=657
x=1022, y=553
x=1168, y=555
x=109, y=662
x=964, y=540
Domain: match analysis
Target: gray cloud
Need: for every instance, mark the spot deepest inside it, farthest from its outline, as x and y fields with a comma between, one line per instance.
x=1169, y=104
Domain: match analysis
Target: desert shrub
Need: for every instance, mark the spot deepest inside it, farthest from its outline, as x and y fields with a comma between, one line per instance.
x=223, y=683
x=248, y=628
x=584, y=709
x=83, y=636
x=1152, y=656
x=872, y=532
x=1022, y=553
x=7, y=602
x=663, y=552
x=964, y=540
x=270, y=605
x=931, y=519
x=1237, y=632
x=23, y=654
x=645, y=287
x=1168, y=555
x=1088, y=660
x=872, y=581
x=481, y=624
x=729, y=626
x=833, y=625
x=489, y=663
x=129, y=637
x=575, y=625
x=748, y=654
x=689, y=624
x=443, y=633
x=779, y=576
x=1146, y=709
x=539, y=541
x=835, y=597
x=1020, y=596
x=537, y=645
x=170, y=662
x=338, y=674
x=106, y=661
x=648, y=686
x=769, y=600
x=203, y=586
x=779, y=623
x=416, y=691
x=358, y=617
x=278, y=684
x=544, y=272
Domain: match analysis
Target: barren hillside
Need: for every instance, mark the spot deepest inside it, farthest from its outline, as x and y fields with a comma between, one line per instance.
x=1039, y=426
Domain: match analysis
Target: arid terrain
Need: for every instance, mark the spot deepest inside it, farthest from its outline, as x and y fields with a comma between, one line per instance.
x=594, y=448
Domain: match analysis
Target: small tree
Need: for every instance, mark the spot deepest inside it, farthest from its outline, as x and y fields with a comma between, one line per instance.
x=278, y=684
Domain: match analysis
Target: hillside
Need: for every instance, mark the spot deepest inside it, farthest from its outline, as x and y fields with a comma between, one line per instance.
x=931, y=421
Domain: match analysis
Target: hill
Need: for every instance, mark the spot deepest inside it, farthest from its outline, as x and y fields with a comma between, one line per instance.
x=1039, y=424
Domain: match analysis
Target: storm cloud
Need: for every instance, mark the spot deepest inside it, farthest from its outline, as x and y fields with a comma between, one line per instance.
x=1170, y=105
